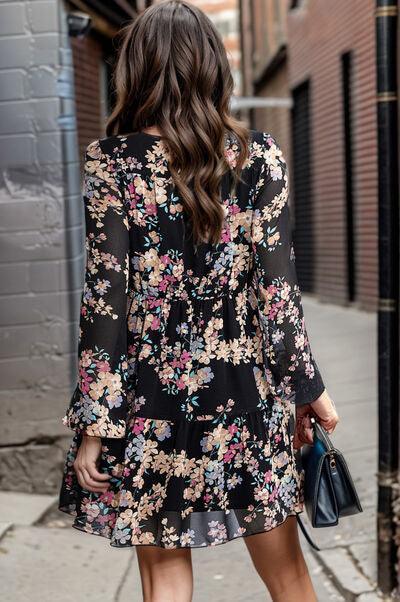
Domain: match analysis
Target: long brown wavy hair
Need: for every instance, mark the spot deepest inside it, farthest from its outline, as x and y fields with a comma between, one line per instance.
x=172, y=72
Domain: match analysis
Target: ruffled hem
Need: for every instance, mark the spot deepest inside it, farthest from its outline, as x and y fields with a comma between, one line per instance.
x=191, y=484
x=83, y=527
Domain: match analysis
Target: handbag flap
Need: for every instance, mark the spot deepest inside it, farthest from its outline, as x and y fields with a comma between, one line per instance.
x=345, y=491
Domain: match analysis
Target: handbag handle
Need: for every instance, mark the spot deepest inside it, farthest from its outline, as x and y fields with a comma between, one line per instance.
x=306, y=534
x=315, y=425
x=299, y=521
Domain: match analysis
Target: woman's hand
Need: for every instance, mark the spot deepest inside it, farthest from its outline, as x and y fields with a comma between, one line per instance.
x=323, y=410
x=85, y=465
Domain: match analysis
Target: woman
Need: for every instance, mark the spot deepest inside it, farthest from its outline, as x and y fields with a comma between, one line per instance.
x=192, y=339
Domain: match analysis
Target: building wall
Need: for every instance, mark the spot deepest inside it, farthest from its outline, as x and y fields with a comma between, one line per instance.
x=275, y=120
x=263, y=27
x=269, y=25
x=319, y=31
x=40, y=241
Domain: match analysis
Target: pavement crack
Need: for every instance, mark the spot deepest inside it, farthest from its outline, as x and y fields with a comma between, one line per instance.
x=357, y=564
x=343, y=591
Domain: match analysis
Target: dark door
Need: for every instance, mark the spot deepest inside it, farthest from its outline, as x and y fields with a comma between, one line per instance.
x=301, y=182
x=348, y=154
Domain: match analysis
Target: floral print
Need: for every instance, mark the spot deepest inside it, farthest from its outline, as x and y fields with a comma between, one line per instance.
x=190, y=357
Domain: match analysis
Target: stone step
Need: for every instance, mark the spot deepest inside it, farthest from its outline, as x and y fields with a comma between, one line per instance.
x=24, y=508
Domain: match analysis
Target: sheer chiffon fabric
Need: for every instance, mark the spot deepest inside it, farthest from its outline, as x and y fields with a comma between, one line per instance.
x=191, y=359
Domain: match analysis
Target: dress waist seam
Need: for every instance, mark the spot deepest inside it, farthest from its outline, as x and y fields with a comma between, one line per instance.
x=185, y=296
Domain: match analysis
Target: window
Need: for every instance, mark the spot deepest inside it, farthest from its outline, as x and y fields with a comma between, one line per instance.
x=296, y=3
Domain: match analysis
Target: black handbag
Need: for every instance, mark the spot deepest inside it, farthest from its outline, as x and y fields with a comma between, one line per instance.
x=329, y=490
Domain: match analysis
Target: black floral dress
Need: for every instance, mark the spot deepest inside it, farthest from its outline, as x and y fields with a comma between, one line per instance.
x=190, y=358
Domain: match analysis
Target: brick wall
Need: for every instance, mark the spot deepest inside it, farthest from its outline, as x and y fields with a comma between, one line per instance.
x=40, y=241
x=319, y=31
x=88, y=62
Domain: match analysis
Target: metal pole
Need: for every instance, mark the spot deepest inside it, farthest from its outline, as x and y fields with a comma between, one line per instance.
x=388, y=309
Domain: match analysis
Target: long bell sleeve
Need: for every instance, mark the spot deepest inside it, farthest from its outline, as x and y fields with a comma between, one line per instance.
x=286, y=345
x=98, y=406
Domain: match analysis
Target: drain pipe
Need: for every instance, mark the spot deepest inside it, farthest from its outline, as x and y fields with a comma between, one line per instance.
x=74, y=237
x=388, y=309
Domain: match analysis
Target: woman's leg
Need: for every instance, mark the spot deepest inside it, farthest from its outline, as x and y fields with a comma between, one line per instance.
x=279, y=560
x=166, y=574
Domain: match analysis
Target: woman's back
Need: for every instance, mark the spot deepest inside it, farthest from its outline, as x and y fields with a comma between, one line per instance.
x=190, y=352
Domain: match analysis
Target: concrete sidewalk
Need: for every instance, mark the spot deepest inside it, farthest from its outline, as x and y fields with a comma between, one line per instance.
x=344, y=344
x=43, y=559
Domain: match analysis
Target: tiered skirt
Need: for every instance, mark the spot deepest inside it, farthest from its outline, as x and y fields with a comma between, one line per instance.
x=197, y=483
